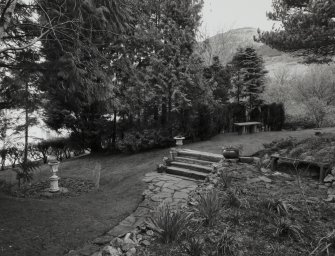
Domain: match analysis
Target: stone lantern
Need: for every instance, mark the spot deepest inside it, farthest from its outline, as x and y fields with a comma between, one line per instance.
x=54, y=178
x=179, y=140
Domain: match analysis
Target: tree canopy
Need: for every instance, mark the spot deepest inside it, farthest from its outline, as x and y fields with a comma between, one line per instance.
x=308, y=28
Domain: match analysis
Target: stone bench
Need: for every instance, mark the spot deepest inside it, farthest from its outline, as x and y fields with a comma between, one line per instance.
x=323, y=167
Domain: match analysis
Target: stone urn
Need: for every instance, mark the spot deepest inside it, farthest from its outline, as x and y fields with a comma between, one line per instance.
x=230, y=152
x=54, y=178
x=179, y=140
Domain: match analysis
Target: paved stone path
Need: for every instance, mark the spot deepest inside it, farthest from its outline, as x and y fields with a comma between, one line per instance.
x=162, y=188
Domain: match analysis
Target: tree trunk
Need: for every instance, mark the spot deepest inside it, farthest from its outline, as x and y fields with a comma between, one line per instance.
x=114, y=131
x=26, y=127
x=6, y=16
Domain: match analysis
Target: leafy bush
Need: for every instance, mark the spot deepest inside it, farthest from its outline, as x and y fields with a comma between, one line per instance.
x=194, y=246
x=326, y=245
x=44, y=148
x=225, y=180
x=25, y=172
x=169, y=224
x=209, y=206
x=277, y=206
x=293, y=123
x=285, y=228
x=148, y=139
x=233, y=200
x=227, y=245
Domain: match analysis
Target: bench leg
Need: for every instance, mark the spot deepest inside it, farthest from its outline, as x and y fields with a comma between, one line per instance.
x=274, y=162
x=322, y=175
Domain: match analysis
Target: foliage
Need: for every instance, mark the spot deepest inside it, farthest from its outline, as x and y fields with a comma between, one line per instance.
x=277, y=206
x=195, y=246
x=248, y=77
x=314, y=91
x=209, y=206
x=234, y=200
x=44, y=148
x=285, y=228
x=169, y=223
x=26, y=171
x=218, y=78
x=325, y=246
x=227, y=245
x=308, y=27
x=136, y=141
x=225, y=180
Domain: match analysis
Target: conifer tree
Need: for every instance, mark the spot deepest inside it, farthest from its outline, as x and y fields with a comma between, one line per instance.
x=308, y=28
x=248, y=77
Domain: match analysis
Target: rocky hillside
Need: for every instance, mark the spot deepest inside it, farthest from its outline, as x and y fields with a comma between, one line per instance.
x=225, y=45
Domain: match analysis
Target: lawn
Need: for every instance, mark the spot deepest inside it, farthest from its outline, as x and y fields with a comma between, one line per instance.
x=53, y=227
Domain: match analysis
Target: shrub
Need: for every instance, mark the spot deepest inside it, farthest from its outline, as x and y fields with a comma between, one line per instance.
x=277, y=206
x=227, y=245
x=233, y=200
x=285, y=228
x=148, y=139
x=225, y=180
x=25, y=172
x=326, y=245
x=14, y=155
x=44, y=148
x=169, y=224
x=194, y=246
x=209, y=206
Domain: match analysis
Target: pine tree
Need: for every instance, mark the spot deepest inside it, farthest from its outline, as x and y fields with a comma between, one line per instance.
x=78, y=76
x=308, y=28
x=218, y=78
x=248, y=77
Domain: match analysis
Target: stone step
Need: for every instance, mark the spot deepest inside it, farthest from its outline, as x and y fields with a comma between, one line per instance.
x=185, y=173
x=194, y=167
x=193, y=161
x=205, y=156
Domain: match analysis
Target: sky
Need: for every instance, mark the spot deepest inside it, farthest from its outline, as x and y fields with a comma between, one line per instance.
x=223, y=15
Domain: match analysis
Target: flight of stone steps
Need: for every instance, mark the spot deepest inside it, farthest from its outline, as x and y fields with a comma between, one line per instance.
x=190, y=163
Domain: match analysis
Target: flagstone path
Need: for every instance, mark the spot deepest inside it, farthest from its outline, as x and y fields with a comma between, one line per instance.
x=162, y=188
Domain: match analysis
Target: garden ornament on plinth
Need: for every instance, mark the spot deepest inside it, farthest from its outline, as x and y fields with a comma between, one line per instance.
x=179, y=140
x=54, y=178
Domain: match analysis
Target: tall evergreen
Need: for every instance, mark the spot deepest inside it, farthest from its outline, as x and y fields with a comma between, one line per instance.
x=78, y=75
x=308, y=28
x=248, y=77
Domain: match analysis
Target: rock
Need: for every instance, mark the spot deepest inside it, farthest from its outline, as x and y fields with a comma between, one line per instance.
x=329, y=178
x=150, y=233
x=247, y=160
x=266, y=162
x=110, y=251
x=309, y=158
x=333, y=171
x=139, y=237
x=265, y=179
x=102, y=240
x=265, y=170
x=330, y=199
x=97, y=254
x=128, y=243
x=322, y=186
x=131, y=252
x=145, y=243
x=331, y=191
x=116, y=242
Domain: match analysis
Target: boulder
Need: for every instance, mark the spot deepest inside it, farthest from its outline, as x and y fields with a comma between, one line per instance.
x=116, y=242
x=329, y=178
x=110, y=251
x=131, y=252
